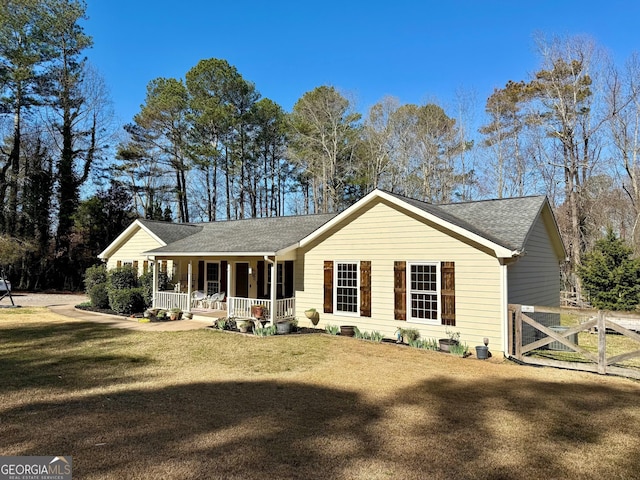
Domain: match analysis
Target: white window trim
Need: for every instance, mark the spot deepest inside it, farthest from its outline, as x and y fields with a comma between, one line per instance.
x=335, y=289
x=424, y=321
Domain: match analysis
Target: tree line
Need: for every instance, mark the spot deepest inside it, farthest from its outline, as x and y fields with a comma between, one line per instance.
x=209, y=147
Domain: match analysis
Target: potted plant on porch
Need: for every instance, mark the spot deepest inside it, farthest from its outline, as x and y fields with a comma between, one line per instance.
x=257, y=311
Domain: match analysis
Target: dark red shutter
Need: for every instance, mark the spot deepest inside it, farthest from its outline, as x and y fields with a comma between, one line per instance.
x=260, y=280
x=365, y=288
x=448, y=293
x=145, y=266
x=201, y=275
x=400, y=290
x=328, y=286
x=288, y=279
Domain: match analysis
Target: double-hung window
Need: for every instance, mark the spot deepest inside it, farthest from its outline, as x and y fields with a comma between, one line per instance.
x=213, y=278
x=347, y=291
x=424, y=282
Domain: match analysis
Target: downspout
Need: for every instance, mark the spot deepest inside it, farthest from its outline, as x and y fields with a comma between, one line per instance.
x=274, y=285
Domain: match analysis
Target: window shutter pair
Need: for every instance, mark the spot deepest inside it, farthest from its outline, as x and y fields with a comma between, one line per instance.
x=447, y=292
x=365, y=287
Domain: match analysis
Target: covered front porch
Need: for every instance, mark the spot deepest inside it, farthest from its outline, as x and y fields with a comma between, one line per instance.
x=230, y=286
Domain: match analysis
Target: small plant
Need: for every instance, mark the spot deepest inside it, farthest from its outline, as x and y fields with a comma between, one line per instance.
x=294, y=324
x=410, y=334
x=376, y=336
x=161, y=315
x=332, y=329
x=459, y=349
x=175, y=313
x=264, y=331
x=454, y=337
x=357, y=333
x=221, y=323
x=431, y=344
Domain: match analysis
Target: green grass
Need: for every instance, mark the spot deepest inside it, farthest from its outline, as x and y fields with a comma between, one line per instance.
x=211, y=404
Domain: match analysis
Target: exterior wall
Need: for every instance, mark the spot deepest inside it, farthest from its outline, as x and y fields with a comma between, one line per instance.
x=535, y=278
x=382, y=234
x=132, y=248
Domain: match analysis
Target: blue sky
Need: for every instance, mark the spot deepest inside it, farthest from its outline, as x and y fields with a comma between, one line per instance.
x=417, y=51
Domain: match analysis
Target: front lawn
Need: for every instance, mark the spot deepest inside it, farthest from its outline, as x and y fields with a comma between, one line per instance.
x=210, y=404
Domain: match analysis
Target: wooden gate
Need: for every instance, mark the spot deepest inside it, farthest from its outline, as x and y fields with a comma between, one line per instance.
x=597, y=322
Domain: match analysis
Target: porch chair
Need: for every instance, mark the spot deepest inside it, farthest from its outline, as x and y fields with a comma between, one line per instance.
x=197, y=298
x=216, y=300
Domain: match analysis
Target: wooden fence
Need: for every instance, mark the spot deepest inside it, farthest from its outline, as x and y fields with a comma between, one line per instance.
x=597, y=322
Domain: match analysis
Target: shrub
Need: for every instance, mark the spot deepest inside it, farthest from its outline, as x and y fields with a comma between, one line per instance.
x=146, y=283
x=126, y=300
x=93, y=276
x=123, y=278
x=610, y=274
x=98, y=295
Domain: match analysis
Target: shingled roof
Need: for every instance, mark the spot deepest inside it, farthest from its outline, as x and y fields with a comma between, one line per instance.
x=258, y=236
x=503, y=222
x=506, y=222
x=170, y=232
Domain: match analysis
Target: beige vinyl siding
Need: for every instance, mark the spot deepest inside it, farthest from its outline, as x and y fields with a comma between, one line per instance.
x=131, y=250
x=383, y=234
x=535, y=278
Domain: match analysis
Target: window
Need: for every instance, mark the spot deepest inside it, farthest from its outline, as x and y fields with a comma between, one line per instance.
x=213, y=278
x=424, y=281
x=347, y=287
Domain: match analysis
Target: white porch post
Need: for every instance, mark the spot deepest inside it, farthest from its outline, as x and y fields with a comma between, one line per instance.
x=189, y=273
x=274, y=288
x=154, y=265
x=228, y=294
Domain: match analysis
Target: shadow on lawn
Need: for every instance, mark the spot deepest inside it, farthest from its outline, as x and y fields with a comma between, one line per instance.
x=290, y=430
x=47, y=355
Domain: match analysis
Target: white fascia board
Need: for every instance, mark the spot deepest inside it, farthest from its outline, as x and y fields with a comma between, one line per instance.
x=500, y=251
x=152, y=254
x=105, y=254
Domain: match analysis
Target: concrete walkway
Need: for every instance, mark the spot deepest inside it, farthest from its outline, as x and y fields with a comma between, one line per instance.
x=64, y=304
x=128, y=323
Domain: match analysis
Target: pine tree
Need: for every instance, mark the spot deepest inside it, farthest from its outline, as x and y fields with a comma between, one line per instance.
x=610, y=276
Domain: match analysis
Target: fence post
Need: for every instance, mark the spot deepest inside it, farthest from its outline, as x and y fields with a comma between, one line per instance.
x=602, y=343
x=518, y=332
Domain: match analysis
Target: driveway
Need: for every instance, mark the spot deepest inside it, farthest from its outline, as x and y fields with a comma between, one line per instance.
x=64, y=304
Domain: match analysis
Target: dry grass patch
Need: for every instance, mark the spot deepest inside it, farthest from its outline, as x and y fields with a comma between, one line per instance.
x=205, y=404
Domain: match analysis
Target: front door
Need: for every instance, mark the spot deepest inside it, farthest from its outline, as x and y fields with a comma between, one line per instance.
x=242, y=280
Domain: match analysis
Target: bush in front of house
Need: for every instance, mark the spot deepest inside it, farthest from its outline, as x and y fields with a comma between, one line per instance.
x=126, y=301
x=98, y=295
x=123, y=277
x=146, y=284
x=95, y=282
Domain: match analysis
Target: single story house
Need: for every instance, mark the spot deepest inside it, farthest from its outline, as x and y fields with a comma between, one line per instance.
x=386, y=262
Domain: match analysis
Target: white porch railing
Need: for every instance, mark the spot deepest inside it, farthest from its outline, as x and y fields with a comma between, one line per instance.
x=167, y=300
x=241, y=307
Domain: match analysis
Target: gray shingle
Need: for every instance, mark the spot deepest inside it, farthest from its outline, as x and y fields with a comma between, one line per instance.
x=506, y=222
x=170, y=232
x=257, y=235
